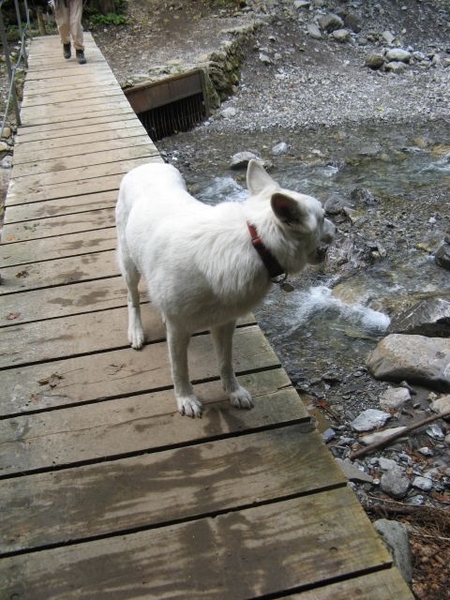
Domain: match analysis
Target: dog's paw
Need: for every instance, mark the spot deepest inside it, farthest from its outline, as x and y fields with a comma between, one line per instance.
x=241, y=398
x=136, y=337
x=190, y=406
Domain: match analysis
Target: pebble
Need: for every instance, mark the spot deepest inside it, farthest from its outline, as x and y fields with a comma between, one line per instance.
x=394, y=398
x=395, y=483
x=423, y=483
x=435, y=432
x=370, y=419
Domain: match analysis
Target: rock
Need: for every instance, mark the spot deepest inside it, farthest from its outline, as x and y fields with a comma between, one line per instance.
x=298, y=4
x=370, y=419
x=412, y=358
x=435, y=432
x=362, y=196
x=330, y=22
x=395, y=536
x=328, y=435
x=386, y=464
x=378, y=436
x=240, y=160
x=6, y=162
x=395, y=67
x=395, y=483
x=398, y=55
x=442, y=256
x=374, y=60
x=388, y=37
x=423, y=483
x=441, y=405
x=228, y=113
x=279, y=149
x=394, y=398
x=313, y=31
x=341, y=35
x=265, y=59
x=335, y=204
x=352, y=473
x=429, y=317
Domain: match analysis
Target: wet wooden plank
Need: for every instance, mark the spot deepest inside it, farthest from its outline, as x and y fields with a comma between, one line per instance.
x=139, y=424
x=74, y=335
x=250, y=553
x=90, y=180
x=124, y=372
x=16, y=213
x=77, y=334
x=154, y=489
x=65, y=225
x=98, y=142
x=23, y=253
x=62, y=271
x=51, y=303
x=382, y=585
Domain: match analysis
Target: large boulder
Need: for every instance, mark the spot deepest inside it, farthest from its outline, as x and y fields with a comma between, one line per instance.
x=414, y=358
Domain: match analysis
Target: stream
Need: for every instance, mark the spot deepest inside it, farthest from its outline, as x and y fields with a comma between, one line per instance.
x=394, y=185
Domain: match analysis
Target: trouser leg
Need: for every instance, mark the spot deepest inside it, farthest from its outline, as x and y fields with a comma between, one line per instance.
x=76, y=29
x=63, y=21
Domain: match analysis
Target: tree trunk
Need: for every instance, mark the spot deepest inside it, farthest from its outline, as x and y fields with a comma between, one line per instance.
x=104, y=6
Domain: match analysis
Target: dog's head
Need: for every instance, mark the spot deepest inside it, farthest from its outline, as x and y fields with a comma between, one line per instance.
x=300, y=217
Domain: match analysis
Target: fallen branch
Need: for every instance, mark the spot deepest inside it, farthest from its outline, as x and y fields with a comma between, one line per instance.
x=387, y=441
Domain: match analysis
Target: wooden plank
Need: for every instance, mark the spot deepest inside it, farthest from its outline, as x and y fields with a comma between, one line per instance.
x=387, y=584
x=81, y=127
x=218, y=469
x=22, y=253
x=68, y=168
x=74, y=118
x=264, y=550
x=65, y=224
x=116, y=428
x=54, y=111
x=73, y=335
x=62, y=271
x=20, y=213
x=125, y=372
x=51, y=303
x=24, y=153
x=40, y=97
x=88, y=180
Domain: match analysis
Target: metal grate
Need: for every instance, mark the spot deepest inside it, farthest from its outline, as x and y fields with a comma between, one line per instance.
x=171, y=118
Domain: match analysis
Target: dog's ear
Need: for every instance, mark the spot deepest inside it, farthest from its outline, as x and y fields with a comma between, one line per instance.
x=286, y=209
x=257, y=178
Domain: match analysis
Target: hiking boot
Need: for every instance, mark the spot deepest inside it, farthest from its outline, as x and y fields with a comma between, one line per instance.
x=66, y=51
x=80, y=57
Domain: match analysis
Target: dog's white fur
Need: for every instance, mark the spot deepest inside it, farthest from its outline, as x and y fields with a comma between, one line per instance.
x=199, y=264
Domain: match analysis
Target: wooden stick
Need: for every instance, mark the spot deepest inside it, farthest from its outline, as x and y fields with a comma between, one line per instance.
x=395, y=436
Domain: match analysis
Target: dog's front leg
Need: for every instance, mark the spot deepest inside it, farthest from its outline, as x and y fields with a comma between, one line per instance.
x=223, y=342
x=178, y=342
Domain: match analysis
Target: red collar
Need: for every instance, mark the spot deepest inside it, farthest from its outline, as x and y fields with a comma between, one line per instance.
x=272, y=265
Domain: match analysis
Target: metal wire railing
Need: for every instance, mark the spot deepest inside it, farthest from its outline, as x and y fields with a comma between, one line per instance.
x=11, y=67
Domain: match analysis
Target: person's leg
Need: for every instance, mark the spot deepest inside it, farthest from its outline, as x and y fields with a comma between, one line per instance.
x=63, y=22
x=76, y=29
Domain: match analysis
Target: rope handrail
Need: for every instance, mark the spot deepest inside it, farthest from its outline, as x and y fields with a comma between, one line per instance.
x=22, y=55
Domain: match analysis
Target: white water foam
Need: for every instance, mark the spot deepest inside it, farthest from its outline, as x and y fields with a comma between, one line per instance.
x=306, y=303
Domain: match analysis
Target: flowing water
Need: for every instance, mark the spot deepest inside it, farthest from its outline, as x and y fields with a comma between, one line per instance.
x=383, y=253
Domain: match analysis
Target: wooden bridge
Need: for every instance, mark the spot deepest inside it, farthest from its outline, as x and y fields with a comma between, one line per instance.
x=106, y=491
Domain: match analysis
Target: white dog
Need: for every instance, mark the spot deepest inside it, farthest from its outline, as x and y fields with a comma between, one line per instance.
x=207, y=265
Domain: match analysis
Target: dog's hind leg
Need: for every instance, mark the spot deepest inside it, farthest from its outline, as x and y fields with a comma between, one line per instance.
x=223, y=342
x=178, y=341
